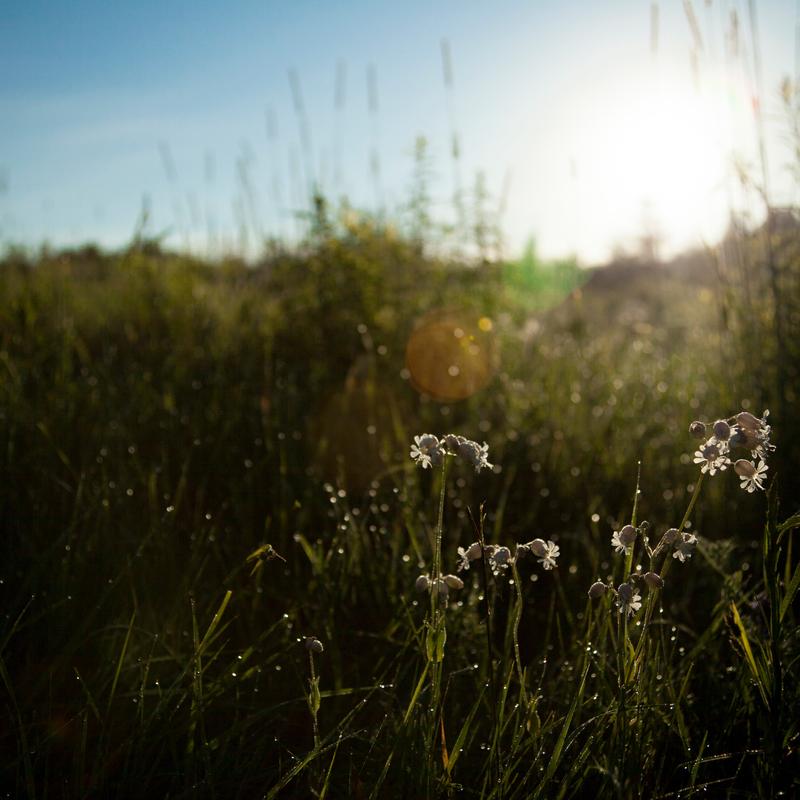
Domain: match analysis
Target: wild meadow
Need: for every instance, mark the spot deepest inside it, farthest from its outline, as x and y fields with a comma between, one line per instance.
x=371, y=520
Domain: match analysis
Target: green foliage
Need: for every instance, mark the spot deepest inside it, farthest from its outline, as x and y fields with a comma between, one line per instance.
x=162, y=419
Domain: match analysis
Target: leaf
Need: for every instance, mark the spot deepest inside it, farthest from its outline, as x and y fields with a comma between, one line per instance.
x=791, y=590
x=749, y=657
x=314, y=696
x=435, y=641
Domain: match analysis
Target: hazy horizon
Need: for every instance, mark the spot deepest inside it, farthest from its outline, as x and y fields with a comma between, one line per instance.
x=591, y=125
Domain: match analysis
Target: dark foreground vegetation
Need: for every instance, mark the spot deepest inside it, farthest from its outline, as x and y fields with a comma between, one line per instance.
x=203, y=464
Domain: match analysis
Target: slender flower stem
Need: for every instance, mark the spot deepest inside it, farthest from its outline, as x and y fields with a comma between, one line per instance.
x=517, y=620
x=436, y=633
x=651, y=597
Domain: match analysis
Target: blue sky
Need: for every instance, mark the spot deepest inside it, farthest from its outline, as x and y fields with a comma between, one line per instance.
x=563, y=105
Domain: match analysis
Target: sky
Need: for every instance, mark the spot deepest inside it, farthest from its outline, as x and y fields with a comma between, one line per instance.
x=591, y=125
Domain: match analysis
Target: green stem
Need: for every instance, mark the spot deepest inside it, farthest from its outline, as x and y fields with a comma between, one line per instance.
x=665, y=565
x=517, y=620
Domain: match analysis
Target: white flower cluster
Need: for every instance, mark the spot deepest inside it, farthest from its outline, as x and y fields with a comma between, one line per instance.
x=500, y=557
x=627, y=598
x=429, y=450
x=745, y=431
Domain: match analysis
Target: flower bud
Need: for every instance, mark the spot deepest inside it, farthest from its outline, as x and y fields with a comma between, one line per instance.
x=597, y=589
x=697, y=429
x=627, y=535
x=748, y=422
x=744, y=438
x=501, y=556
x=744, y=468
x=625, y=591
x=722, y=430
x=473, y=551
x=313, y=644
x=442, y=587
x=671, y=535
x=654, y=580
x=452, y=442
x=454, y=582
x=423, y=583
x=538, y=547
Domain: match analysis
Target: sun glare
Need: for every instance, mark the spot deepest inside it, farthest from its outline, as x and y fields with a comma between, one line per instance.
x=662, y=157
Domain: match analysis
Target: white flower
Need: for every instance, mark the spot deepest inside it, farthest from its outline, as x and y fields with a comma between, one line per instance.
x=500, y=558
x=473, y=552
x=628, y=599
x=548, y=560
x=753, y=434
x=752, y=477
x=475, y=454
x=684, y=547
x=713, y=456
x=426, y=450
x=618, y=545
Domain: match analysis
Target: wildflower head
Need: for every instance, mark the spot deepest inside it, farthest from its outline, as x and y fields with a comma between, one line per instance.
x=597, y=589
x=471, y=553
x=712, y=456
x=313, y=645
x=427, y=450
x=475, y=454
x=752, y=477
x=684, y=547
x=617, y=543
x=629, y=601
x=551, y=553
x=499, y=558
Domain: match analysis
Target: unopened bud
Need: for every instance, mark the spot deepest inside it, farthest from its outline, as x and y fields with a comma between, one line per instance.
x=744, y=468
x=538, y=547
x=501, y=556
x=597, y=589
x=452, y=442
x=748, y=422
x=313, y=644
x=627, y=535
x=454, y=582
x=625, y=591
x=654, y=580
x=722, y=430
x=442, y=587
x=473, y=551
x=671, y=535
x=423, y=583
x=697, y=429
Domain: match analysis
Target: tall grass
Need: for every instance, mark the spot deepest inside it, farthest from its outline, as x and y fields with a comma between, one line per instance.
x=164, y=418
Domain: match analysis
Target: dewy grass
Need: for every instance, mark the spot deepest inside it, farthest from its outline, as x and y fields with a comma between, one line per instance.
x=150, y=448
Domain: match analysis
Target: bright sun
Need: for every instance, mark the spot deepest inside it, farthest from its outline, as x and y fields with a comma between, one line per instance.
x=662, y=155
